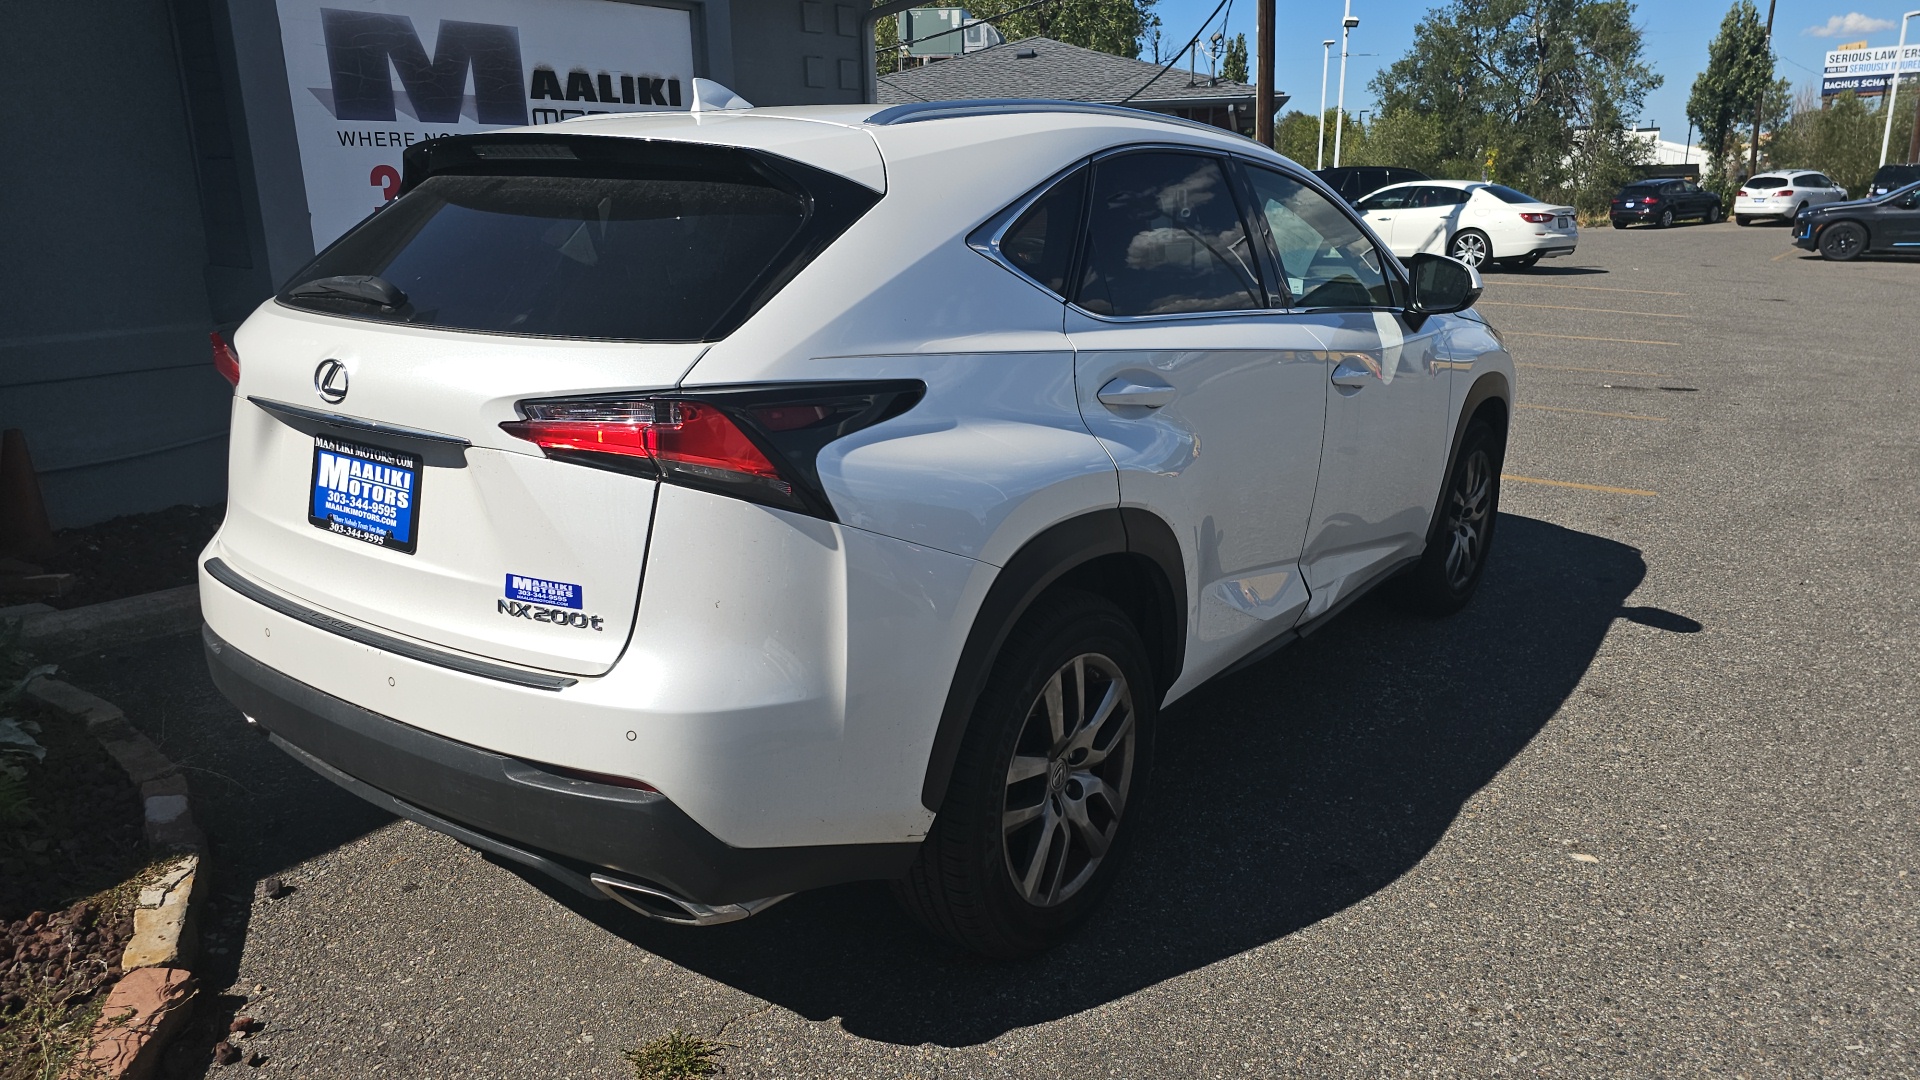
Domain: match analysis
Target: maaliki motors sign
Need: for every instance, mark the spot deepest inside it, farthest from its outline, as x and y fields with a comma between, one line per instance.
x=373, y=78
x=1865, y=71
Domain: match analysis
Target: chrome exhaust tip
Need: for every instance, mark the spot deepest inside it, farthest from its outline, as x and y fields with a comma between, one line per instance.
x=657, y=903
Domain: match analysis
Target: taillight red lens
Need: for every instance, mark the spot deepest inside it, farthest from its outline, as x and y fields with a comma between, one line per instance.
x=1783, y=194
x=758, y=443
x=225, y=360
x=684, y=438
x=1537, y=219
x=1743, y=193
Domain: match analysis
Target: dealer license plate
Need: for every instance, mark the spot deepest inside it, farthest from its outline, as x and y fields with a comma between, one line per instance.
x=366, y=493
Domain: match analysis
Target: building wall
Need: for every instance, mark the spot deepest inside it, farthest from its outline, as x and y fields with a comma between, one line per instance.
x=797, y=52
x=143, y=206
x=104, y=309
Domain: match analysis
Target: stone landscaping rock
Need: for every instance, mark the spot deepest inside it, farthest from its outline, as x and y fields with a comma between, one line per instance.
x=142, y=1010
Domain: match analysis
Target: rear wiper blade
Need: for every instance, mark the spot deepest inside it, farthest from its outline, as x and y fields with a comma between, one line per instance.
x=365, y=288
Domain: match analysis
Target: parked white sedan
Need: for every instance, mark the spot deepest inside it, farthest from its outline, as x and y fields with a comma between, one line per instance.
x=1782, y=194
x=1474, y=222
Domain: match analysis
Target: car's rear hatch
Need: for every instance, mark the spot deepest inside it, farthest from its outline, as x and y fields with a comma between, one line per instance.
x=370, y=477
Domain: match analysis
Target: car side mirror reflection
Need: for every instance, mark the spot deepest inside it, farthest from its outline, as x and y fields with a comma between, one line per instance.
x=1442, y=285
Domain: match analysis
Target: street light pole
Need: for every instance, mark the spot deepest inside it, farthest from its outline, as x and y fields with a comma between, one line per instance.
x=1893, y=87
x=1320, y=148
x=1347, y=24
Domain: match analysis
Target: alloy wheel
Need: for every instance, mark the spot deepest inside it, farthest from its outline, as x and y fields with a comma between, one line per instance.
x=1470, y=248
x=1068, y=781
x=1467, y=517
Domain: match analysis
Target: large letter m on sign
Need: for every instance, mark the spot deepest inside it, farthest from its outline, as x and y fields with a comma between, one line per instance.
x=361, y=45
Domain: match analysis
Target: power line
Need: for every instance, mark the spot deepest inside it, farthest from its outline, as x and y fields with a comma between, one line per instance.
x=1176, y=56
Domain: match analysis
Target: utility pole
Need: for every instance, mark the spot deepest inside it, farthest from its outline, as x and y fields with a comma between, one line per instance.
x=1760, y=102
x=1263, y=74
x=1347, y=23
x=1320, y=149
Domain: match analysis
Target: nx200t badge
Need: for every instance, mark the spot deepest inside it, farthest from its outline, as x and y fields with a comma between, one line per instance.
x=330, y=381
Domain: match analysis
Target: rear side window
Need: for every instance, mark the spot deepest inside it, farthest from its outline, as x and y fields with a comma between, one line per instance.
x=634, y=243
x=1041, y=242
x=1164, y=237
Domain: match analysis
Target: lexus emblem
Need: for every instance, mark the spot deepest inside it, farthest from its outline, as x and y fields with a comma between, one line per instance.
x=330, y=381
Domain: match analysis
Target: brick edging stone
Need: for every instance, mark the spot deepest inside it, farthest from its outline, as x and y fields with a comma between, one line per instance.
x=152, y=1000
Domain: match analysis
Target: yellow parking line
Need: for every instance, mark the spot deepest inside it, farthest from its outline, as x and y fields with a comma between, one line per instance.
x=1784, y=254
x=1582, y=487
x=1589, y=288
x=1576, y=337
x=1595, y=310
x=1594, y=370
x=1594, y=412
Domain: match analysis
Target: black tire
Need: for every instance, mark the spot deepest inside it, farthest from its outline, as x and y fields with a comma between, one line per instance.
x=1619, y=224
x=1843, y=241
x=963, y=885
x=1742, y=220
x=1712, y=216
x=1472, y=247
x=1469, y=508
x=1666, y=219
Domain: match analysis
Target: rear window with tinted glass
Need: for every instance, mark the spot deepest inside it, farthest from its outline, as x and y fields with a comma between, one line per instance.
x=1766, y=181
x=1508, y=195
x=635, y=244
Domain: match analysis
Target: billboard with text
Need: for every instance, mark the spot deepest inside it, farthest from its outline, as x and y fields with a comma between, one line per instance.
x=1865, y=71
x=371, y=77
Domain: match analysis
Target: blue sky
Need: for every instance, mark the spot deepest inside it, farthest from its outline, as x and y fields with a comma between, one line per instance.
x=1676, y=36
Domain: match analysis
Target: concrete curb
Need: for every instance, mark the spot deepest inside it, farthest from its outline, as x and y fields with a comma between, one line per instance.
x=152, y=999
x=54, y=634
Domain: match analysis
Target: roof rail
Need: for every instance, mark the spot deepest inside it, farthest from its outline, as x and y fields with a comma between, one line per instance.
x=915, y=112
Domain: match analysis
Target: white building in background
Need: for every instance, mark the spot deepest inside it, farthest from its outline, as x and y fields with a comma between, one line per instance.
x=1668, y=152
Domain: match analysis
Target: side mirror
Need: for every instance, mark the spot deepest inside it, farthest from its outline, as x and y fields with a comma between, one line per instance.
x=1442, y=285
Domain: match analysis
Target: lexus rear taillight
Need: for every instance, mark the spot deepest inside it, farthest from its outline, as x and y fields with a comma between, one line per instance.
x=754, y=443
x=1537, y=219
x=225, y=360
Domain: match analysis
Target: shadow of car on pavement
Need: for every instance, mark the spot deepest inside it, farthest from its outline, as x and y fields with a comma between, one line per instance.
x=1283, y=795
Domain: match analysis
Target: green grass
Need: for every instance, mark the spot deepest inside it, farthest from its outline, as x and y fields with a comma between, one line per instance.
x=675, y=1056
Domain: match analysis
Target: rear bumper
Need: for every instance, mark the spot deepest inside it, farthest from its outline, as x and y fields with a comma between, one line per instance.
x=565, y=827
x=1759, y=210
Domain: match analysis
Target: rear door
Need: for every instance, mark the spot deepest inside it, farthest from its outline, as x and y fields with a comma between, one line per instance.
x=369, y=473
x=1209, y=399
x=1382, y=210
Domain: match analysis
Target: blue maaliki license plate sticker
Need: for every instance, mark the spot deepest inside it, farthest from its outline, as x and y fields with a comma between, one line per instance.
x=541, y=591
x=366, y=493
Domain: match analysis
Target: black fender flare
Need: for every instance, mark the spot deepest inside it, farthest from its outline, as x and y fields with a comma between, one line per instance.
x=1037, y=566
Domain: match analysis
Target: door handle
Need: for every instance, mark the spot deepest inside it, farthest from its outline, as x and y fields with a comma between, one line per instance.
x=1353, y=374
x=1127, y=392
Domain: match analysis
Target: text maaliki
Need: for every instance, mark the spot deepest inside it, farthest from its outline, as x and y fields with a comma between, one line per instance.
x=366, y=480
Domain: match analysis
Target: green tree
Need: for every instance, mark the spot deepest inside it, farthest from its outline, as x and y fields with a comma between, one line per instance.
x=1297, y=135
x=1233, y=66
x=1514, y=83
x=1739, y=73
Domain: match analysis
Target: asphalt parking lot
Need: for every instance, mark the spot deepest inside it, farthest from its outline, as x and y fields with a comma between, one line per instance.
x=1647, y=808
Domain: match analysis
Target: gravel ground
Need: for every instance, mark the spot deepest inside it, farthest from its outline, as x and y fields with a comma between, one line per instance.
x=1647, y=808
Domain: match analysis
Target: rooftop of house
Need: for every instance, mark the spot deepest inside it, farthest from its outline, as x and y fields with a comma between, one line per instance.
x=1039, y=67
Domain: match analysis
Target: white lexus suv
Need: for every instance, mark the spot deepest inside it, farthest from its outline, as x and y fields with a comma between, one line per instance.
x=699, y=508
